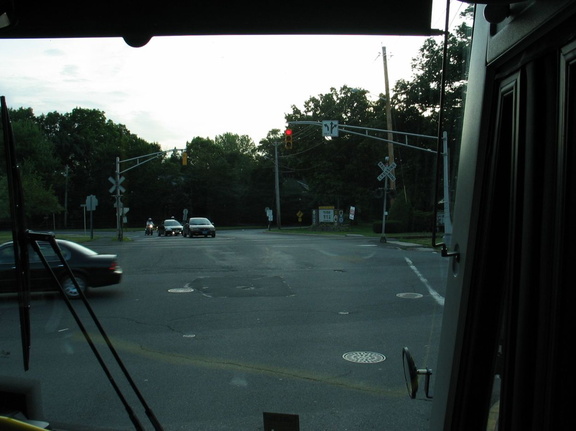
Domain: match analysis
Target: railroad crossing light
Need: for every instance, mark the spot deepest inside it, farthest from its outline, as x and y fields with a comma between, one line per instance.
x=288, y=139
x=184, y=159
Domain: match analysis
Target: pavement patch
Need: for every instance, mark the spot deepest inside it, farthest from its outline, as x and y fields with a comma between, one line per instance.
x=241, y=287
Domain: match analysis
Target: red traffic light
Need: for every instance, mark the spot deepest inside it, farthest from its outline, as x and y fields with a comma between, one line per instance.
x=288, y=138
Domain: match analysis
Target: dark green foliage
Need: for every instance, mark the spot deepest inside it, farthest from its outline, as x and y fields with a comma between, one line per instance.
x=64, y=157
x=400, y=214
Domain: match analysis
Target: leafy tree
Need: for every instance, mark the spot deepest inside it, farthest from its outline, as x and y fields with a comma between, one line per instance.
x=400, y=216
x=143, y=190
x=66, y=157
x=416, y=104
x=87, y=144
x=38, y=169
x=217, y=181
x=339, y=171
x=81, y=141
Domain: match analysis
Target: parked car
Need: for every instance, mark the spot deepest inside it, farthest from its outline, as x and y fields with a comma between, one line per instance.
x=170, y=227
x=199, y=226
x=90, y=268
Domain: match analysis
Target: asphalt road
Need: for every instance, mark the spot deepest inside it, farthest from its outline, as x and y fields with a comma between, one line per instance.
x=216, y=331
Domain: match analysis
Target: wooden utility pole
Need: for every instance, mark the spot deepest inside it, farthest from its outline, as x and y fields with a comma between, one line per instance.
x=388, y=115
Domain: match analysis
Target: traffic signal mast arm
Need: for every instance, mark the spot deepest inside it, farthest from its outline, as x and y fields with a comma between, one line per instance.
x=117, y=180
x=444, y=153
x=354, y=130
x=146, y=157
x=344, y=128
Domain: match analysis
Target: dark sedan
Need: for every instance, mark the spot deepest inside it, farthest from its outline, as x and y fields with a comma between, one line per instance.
x=90, y=268
x=199, y=226
x=170, y=227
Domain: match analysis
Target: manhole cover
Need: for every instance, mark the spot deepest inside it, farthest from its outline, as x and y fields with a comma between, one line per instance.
x=364, y=357
x=409, y=295
x=181, y=290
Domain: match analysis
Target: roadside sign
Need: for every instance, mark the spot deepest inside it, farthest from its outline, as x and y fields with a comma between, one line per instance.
x=91, y=203
x=114, y=185
x=330, y=128
x=325, y=215
x=386, y=171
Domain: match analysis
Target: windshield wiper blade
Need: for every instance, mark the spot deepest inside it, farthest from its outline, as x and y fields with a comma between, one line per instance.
x=50, y=238
x=22, y=238
x=18, y=234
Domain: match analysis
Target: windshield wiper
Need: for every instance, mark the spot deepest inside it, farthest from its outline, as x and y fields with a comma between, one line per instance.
x=34, y=237
x=22, y=238
x=18, y=234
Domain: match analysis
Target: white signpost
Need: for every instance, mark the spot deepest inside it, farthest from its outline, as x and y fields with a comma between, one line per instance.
x=91, y=204
x=387, y=173
x=269, y=215
x=352, y=213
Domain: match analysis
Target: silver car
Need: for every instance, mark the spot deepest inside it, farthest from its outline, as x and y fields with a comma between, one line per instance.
x=170, y=227
x=199, y=226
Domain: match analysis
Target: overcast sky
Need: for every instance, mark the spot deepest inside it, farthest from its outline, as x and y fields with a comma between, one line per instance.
x=174, y=89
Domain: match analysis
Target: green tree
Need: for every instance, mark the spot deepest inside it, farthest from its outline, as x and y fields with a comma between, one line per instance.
x=37, y=166
x=87, y=144
x=338, y=171
x=218, y=178
x=143, y=192
x=416, y=108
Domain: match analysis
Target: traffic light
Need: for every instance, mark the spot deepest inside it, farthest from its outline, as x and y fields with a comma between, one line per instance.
x=288, y=139
x=184, y=159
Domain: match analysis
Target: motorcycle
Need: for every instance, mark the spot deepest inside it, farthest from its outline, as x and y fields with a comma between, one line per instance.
x=149, y=229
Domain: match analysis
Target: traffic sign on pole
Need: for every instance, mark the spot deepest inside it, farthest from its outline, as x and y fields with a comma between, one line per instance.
x=330, y=128
x=114, y=185
x=91, y=203
x=386, y=171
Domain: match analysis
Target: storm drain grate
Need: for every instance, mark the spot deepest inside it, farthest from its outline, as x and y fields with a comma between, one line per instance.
x=364, y=357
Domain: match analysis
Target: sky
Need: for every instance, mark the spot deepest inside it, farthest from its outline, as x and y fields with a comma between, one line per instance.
x=176, y=88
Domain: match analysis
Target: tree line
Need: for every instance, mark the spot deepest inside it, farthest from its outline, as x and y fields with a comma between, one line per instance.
x=64, y=157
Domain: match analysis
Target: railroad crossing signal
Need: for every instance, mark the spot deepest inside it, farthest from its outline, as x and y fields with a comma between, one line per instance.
x=114, y=185
x=387, y=171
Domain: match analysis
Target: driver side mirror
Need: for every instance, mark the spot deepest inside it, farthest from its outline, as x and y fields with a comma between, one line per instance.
x=411, y=374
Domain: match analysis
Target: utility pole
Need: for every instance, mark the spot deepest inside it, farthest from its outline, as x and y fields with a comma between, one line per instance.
x=118, y=201
x=388, y=115
x=117, y=189
x=364, y=132
x=277, y=185
x=66, y=172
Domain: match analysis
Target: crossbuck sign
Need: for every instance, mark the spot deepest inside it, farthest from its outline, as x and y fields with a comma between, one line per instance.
x=387, y=171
